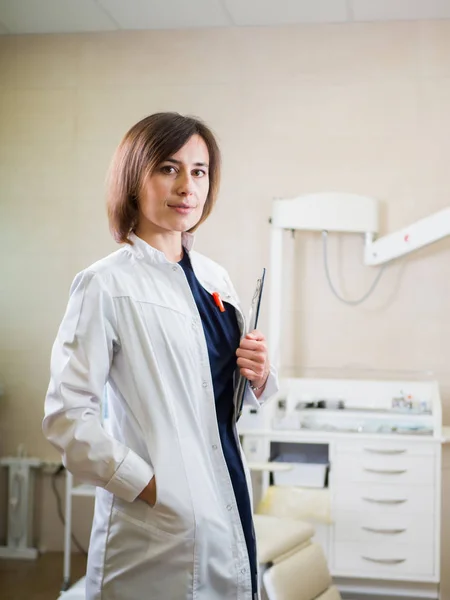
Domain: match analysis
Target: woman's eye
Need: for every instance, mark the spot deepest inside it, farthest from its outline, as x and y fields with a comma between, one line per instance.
x=199, y=173
x=168, y=169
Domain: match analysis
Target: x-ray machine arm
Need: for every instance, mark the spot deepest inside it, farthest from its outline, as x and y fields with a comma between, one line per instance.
x=344, y=213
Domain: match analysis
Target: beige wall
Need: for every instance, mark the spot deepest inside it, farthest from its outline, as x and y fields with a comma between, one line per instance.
x=361, y=108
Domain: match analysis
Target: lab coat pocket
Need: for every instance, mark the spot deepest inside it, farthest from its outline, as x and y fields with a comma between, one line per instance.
x=173, y=510
x=137, y=512
x=153, y=518
x=145, y=562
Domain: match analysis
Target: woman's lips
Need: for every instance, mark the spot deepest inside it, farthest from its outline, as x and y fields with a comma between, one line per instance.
x=181, y=209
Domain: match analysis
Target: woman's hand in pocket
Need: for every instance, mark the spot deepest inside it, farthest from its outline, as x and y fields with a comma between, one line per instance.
x=148, y=494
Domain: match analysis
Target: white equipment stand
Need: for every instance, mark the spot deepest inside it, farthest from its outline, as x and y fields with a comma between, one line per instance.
x=20, y=507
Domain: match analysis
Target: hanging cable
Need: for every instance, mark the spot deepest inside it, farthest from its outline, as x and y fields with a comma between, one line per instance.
x=330, y=283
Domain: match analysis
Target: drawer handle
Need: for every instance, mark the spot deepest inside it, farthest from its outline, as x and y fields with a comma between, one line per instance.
x=382, y=451
x=385, y=561
x=385, y=500
x=384, y=531
x=386, y=471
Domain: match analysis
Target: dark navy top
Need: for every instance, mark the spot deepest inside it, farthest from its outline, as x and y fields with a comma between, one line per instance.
x=222, y=339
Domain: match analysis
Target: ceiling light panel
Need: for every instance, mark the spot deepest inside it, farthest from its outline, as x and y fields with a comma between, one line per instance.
x=53, y=16
x=166, y=14
x=281, y=12
x=405, y=10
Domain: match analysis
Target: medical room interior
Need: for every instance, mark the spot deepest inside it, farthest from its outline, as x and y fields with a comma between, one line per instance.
x=333, y=119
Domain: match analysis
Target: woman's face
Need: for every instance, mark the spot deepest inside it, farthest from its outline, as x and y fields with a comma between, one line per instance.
x=173, y=196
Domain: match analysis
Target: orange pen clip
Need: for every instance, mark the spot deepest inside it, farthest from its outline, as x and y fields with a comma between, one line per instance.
x=218, y=301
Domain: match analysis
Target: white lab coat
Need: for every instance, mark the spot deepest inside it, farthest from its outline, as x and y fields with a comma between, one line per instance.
x=132, y=335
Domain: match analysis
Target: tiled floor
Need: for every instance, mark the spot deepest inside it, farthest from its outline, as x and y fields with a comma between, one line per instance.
x=37, y=580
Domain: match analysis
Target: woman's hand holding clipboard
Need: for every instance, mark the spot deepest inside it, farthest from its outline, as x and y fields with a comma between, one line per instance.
x=244, y=352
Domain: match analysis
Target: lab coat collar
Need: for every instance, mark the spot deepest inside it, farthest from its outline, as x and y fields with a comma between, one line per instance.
x=142, y=249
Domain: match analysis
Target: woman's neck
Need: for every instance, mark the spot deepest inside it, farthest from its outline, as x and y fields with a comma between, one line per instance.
x=169, y=243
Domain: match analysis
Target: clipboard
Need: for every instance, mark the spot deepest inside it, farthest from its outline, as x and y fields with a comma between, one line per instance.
x=252, y=324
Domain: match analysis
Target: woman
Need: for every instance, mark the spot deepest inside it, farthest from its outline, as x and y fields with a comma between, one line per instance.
x=144, y=333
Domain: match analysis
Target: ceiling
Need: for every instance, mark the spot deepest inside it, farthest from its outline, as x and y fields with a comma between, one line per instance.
x=70, y=16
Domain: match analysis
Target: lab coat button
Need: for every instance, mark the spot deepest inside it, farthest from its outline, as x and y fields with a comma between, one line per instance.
x=174, y=268
x=243, y=571
x=204, y=384
x=214, y=446
x=229, y=507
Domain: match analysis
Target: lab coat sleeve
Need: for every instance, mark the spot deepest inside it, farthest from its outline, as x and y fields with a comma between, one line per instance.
x=270, y=389
x=81, y=359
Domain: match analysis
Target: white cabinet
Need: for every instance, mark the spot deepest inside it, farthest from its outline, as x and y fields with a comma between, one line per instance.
x=385, y=520
x=384, y=485
x=255, y=448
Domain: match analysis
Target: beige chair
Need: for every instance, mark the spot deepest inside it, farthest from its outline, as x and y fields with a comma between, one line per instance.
x=292, y=566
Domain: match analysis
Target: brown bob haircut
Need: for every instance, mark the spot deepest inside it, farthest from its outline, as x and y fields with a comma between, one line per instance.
x=146, y=145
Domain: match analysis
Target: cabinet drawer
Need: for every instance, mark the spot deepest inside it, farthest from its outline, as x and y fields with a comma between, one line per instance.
x=387, y=449
x=385, y=499
x=373, y=468
x=383, y=559
x=255, y=448
x=372, y=528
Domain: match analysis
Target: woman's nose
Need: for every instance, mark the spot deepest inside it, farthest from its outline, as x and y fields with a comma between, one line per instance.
x=185, y=185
